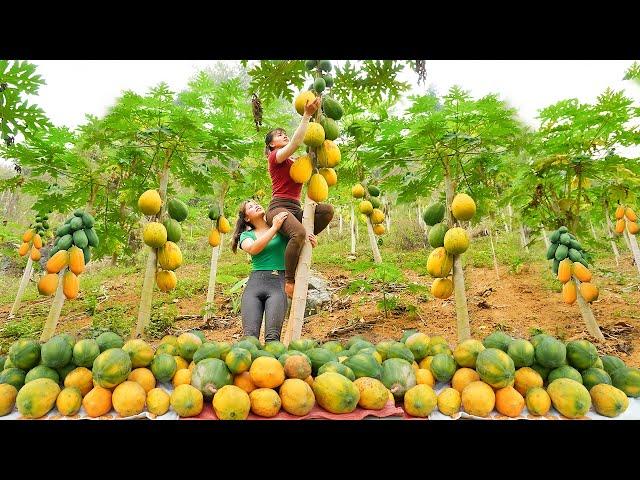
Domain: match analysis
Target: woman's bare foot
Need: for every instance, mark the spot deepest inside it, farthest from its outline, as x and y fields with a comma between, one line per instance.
x=288, y=289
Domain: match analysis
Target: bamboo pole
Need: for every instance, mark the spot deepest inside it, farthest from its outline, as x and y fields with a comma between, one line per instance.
x=634, y=249
x=462, y=312
x=614, y=247
x=377, y=258
x=353, y=232
x=144, y=311
x=54, y=313
x=299, y=300
x=26, y=275
x=587, y=314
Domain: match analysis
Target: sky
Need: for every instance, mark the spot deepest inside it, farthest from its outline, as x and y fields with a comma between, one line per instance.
x=76, y=87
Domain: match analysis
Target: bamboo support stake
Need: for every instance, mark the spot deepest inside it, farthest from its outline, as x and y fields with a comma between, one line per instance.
x=377, y=258
x=54, y=313
x=462, y=312
x=614, y=247
x=493, y=252
x=587, y=314
x=299, y=300
x=144, y=311
x=28, y=270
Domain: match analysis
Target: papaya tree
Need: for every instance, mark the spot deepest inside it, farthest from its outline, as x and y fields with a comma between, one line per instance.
x=443, y=141
x=273, y=79
x=231, y=149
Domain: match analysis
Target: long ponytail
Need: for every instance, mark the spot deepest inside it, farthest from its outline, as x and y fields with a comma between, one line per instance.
x=241, y=226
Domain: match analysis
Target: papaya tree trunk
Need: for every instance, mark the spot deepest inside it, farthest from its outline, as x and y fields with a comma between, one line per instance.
x=221, y=207
x=544, y=237
x=593, y=230
x=213, y=271
x=587, y=314
x=377, y=258
x=299, y=300
x=523, y=238
x=462, y=313
x=612, y=237
x=625, y=234
x=352, y=228
x=510, y=211
x=504, y=220
x=26, y=275
x=493, y=252
x=54, y=313
x=144, y=311
x=634, y=249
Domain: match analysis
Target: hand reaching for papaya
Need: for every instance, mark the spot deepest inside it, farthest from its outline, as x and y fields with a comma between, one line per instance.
x=311, y=108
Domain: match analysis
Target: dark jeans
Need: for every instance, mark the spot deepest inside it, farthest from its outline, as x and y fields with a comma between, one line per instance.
x=264, y=294
x=293, y=228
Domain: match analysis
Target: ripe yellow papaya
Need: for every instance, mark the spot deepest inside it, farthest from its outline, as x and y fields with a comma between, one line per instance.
x=632, y=227
x=223, y=224
x=302, y=169
x=214, y=237
x=619, y=226
x=581, y=272
x=57, y=262
x=37, y=241
x=318, y=190
x=27, y=236
x=76, y=260
x=48, y=284
x=589, y=291
x=569, y=293
x=24, y=249
x=631, y=215
x=619, y=212
x=70, y=285
x=35, y=254
x=564, y=270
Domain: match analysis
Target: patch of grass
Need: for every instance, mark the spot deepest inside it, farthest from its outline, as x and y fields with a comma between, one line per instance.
x=533, y=331
x=417, y=288
x=114, y=319
x=28, y=327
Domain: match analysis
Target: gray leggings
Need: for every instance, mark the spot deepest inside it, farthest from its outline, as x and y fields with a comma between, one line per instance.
x=264, y=294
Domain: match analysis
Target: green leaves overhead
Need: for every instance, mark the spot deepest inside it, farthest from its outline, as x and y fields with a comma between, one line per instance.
x=17, y=80
x=271, y=79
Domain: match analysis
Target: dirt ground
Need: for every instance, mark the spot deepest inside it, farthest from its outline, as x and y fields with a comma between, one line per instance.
x=517, y=303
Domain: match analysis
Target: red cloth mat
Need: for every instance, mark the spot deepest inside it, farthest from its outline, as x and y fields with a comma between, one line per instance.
x=317, y=413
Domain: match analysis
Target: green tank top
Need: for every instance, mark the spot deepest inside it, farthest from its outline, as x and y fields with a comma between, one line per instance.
x=272, y=256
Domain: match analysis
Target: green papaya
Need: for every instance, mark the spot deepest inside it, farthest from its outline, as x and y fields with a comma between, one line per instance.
x=177, y=209
x=555, y=236
x=551, y=251
x=565, y=239
x=562, y=252
x=63, y=230
x=87, y=220
x=214, y=212
x=80, y=239
x=65, y=242
x=92, y=237
x=76, y=223
x=574, y=255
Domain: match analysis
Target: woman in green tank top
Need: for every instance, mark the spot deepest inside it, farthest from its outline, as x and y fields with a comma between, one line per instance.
x=264, y=292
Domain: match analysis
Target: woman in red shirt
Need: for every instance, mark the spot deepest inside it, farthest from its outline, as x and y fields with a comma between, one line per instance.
x=286, y=193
